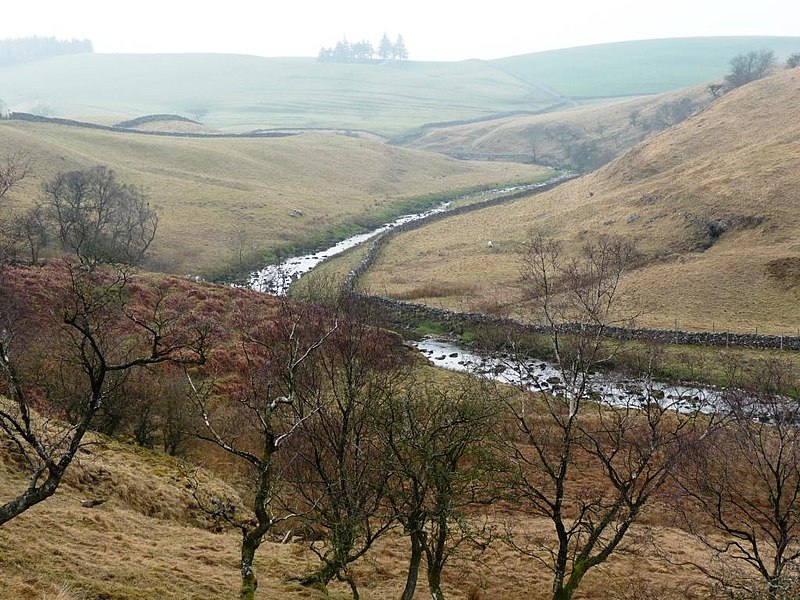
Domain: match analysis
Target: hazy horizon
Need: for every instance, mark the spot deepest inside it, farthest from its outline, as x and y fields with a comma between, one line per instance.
x=432, y=31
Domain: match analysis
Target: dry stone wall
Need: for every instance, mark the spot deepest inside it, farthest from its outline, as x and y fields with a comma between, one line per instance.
x=21, y=116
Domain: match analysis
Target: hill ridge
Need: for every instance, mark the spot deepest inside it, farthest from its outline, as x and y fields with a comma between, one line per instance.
x=240, y=92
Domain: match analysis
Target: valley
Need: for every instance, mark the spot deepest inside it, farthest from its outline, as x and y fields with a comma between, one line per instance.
x=600, y=242
x=219, y=197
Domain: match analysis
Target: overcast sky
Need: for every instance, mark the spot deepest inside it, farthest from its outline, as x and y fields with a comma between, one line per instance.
x=432, y=29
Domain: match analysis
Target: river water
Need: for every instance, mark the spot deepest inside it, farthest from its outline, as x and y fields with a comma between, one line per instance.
x=276, y=279
x=536, y=375
x=539, y=375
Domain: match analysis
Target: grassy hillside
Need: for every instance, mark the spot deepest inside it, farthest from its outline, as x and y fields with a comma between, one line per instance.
x=713, y=203
x=148, y=540
x=637, y=67
x=581, y=138
x=214, y=194
x=240, y=93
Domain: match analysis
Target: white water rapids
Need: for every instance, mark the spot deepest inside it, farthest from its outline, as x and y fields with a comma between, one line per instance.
x=539, y=375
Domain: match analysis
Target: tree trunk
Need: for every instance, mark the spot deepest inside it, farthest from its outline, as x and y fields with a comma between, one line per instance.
x=562, y=556
x=435, y=582
x=321, y=577
x=353, y=587
x=249, y=580
x=435, y=549
x=30, y=497
x=413, y=566
x=565, y=592
x=775, y=588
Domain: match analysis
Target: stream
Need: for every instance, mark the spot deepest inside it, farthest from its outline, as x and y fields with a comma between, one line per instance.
x=540, y=375
x=277, y=279
x=536, y=375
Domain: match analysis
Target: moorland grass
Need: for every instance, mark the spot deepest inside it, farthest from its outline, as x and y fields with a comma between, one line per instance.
x=145, y=536
x=240, y=93
x=582, y=138
x=735, y=164
x=147, y=539
x=212, y=194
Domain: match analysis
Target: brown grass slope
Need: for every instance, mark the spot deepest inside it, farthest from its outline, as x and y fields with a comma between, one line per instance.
x=713, y=203
x=148, y=539
x=207, y=191
x=582, y=138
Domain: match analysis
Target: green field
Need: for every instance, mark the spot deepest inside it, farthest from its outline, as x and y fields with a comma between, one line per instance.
x=639, y=67
x=240, y=93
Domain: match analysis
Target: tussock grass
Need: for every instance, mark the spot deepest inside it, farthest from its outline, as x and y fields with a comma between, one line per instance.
x=436, y=290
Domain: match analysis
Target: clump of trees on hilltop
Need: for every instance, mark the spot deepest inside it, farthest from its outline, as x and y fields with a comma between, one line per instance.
x=364, y=51
x=28, y=49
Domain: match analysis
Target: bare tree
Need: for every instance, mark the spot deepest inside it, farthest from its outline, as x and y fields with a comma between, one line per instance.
x=102, y=337
x=715, y=90
x=153, y=408
x=630, y=441
x=749, y=67
x=440, y=449
x=671, y=113
x=240, y=244
x=99, y=218
x=337, y=473
x=29, y=231
x=742, y=490
x=14, y=168
x=254, y=414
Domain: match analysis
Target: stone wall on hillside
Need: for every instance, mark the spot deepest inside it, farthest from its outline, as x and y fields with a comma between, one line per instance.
x=21, y=116
x=459, y=320
x=378, y=242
